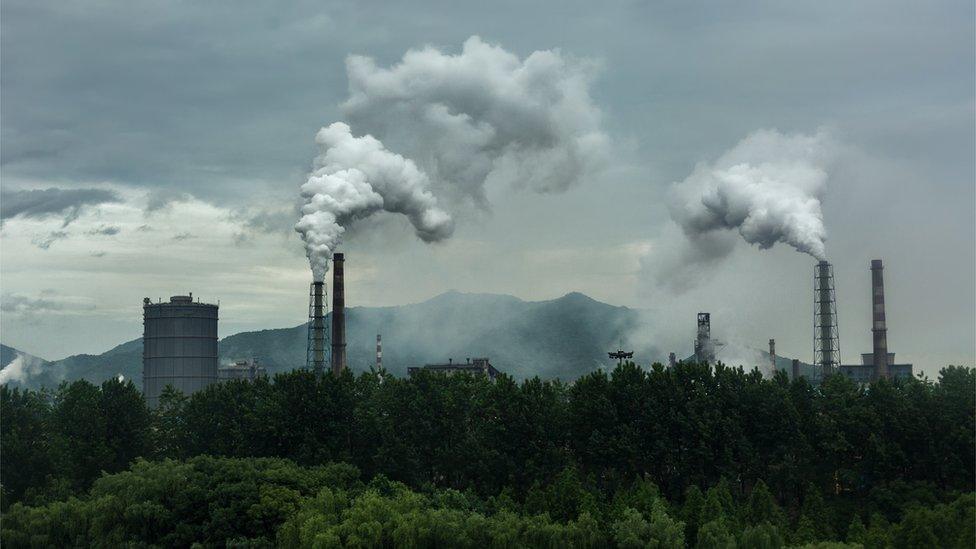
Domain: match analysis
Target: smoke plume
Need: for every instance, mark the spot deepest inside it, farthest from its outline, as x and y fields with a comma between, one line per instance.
x=355, y=177
x=20, y=369
x=482, y=115
x=768, y=188
x=461, y=122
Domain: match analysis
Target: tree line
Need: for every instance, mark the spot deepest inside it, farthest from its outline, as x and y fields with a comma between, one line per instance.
x=690, y=446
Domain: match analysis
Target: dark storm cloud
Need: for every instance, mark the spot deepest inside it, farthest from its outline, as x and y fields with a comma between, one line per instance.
x=42, y=203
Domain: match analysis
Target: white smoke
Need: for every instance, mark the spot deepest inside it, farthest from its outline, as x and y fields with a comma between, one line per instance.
x=483, y=115
x=353, y=178
x=20, y=368
x=768, y=187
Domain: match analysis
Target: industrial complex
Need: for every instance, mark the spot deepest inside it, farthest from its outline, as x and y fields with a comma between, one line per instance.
x=180, y=340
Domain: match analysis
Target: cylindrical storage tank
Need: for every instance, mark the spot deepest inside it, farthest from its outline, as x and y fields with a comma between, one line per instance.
x=179, y=346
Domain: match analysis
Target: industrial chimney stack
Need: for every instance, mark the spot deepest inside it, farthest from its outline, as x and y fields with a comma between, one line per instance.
x=315, y=351
x=879, y=328
x=772, y=354
x=338, y=315
x=826, y=338
x=379, y=353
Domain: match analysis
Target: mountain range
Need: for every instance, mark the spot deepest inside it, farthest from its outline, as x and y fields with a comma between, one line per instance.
x=565, y=337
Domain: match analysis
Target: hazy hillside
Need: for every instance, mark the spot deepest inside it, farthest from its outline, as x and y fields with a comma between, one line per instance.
x=564, y=337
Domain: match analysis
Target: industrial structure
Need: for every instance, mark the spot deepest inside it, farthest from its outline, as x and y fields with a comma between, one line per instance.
x=672, y=360
x=879, y=363
x=826, y=337
x=248, y=370
x=620, y=355
x=477, y=366
x=772, y=355
x=704, y=346
x=315, y=348
x=179, y=346
x=338, y=315
x=379, y=353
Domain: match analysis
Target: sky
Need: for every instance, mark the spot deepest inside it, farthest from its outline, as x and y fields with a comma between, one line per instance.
x=150, y=149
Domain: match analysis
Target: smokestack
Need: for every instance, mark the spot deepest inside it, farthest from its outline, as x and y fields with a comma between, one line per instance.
x=772, y=354
x=796, y=369
x=338, y=315
x=704, y=349
x=379, y=353
x=879, y=328
x=826, y=338
x=316, y=331
x=672, y=360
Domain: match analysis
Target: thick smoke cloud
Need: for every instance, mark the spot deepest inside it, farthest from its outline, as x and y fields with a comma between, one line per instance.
x=21, y=368
x=482, y=115
x=460, y=121
x=41, y=203
x=355, y=177
x=768, y=188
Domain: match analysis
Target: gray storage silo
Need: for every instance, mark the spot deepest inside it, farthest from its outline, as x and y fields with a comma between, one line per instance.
x=179, y=346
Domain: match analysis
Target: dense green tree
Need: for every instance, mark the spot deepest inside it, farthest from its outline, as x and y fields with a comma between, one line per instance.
x=127, y=421
x=81, y=433
x=761, y=536
x=715, y=535
x=856, y=532
x=505, y=462
x=25, y=432
x=762, y=507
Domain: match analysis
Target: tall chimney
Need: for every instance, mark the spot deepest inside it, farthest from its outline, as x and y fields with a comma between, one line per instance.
x=879, y=328
x=338, y=315
x=317, y=329
x=826, y=338
x=672, y=360
x=772, y=354
x=796, y=368
x=379, y=353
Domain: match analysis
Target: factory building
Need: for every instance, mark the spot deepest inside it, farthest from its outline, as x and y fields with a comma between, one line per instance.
x=477, y=366
x=248, y=370
x=179, y=346
x=880, y=363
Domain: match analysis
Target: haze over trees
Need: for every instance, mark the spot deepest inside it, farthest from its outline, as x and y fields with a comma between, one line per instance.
x=690, y=456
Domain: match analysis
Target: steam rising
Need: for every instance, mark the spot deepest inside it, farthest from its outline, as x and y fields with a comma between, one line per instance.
x=355, y=177
x=483, y=115
x=461, y=121
x=768, y=188
x=20, y=368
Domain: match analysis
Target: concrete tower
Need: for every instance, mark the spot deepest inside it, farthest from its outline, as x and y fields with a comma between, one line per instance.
x=179, y=346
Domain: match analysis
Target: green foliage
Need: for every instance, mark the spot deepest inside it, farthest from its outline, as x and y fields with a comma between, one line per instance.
x=715, y=535
x=463, y=461
x=761, y=536
x=856, y=532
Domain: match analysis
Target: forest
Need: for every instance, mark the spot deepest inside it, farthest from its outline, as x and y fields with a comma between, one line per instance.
x=690, y=456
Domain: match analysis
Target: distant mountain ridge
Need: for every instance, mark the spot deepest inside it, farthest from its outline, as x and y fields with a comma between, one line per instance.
x=565, y=337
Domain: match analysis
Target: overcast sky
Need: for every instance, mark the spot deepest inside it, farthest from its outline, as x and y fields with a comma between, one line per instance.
x=176, y=136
